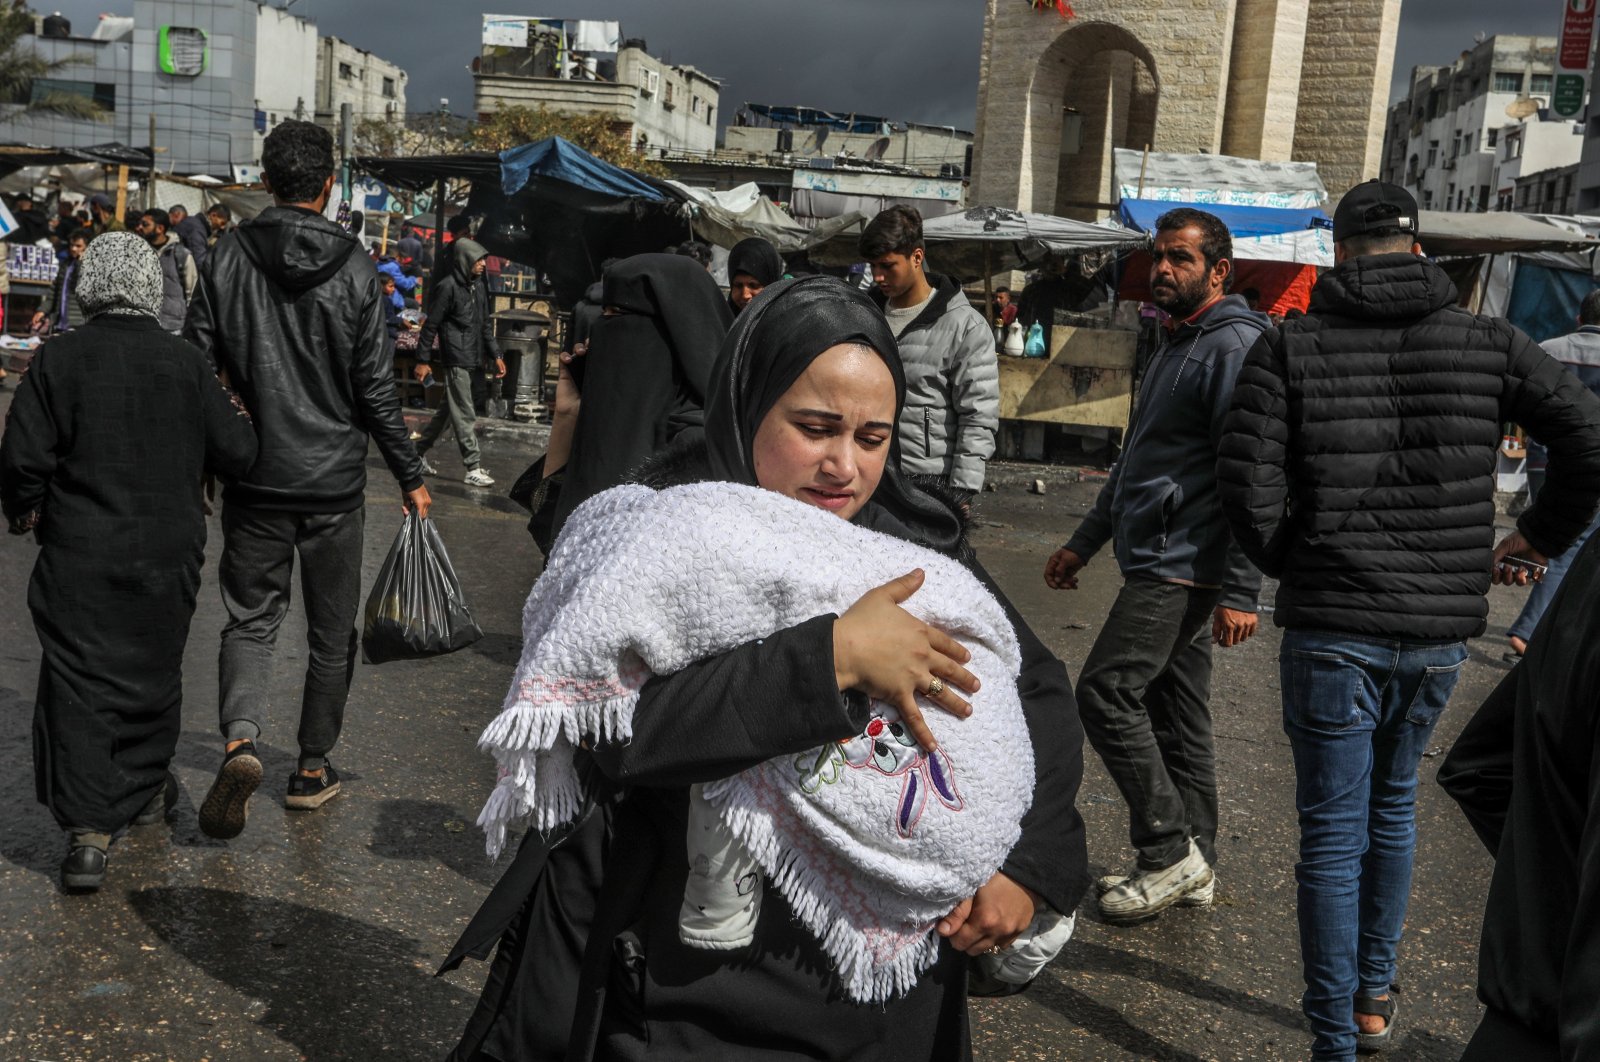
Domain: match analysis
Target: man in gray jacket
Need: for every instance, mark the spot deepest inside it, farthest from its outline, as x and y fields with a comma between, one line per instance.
x=178, y=272
x=952, y=411
x=1144, y=689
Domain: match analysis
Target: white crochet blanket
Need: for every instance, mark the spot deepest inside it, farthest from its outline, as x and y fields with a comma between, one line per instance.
x=869, y=840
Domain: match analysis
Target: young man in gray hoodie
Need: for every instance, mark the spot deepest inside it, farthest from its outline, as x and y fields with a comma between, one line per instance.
x=1144, y=689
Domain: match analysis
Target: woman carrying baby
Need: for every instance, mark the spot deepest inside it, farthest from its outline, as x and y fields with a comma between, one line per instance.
x=846, y=763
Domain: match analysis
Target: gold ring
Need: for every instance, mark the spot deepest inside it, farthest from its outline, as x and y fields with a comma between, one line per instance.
x=996, y=950
x=935, y=686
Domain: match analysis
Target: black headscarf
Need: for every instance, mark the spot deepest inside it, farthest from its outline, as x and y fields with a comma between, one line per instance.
x=775, y=339
x=757, y=259
x=647, y=370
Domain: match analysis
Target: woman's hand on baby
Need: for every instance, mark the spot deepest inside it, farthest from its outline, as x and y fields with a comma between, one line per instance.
x=885, y=652
x=993, y=918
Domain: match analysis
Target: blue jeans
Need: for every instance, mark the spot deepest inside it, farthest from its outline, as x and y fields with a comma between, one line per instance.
x=1359, y=713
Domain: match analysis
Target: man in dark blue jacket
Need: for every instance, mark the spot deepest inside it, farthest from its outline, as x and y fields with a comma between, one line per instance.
x=1144, y=689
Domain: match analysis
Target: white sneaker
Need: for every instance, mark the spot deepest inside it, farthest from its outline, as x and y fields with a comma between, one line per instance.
x=1203, y=897
x=427, y=467
x=1150, y=892
x=478, y=478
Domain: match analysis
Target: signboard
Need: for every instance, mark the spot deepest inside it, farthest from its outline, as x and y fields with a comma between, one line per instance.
x=579, y=35
x=182, y=50
x=8, y=224
x=1572, y=57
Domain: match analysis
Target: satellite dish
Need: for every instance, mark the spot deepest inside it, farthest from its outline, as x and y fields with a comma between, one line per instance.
x=876, y=150
x=1480, y=37
x=1521, y=108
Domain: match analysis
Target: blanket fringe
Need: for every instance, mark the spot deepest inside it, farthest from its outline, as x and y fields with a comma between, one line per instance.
x=863, y=979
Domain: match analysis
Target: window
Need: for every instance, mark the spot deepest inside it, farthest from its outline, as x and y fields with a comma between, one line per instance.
x=698, y=106
x=1433, y=152
x=1494, y=137
x=346, y=72
x=1483, y=197
x=1504, y=82
x=649, y=82
x=710, y=114
x=667, y=101
x=388, y=88
x=1540, y=85
x=104, y=94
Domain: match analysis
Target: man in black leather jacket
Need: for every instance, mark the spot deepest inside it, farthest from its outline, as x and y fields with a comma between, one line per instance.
x=290, y=311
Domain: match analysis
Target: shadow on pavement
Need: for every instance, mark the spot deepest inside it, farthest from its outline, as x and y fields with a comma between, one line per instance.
x=1415, y=1044
x=334, y=987
x=501, y=648
x=1106, y=1023
x=422, y=829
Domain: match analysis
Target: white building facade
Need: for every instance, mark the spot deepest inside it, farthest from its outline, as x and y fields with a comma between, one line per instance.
x=1443, y=142
x=374, y=88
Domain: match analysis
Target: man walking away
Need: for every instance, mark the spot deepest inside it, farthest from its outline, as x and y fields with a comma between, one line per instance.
x=289, y=309
x=458, y=313
x=952, y=411
x=1144, y=690
x=1357, y=467
x=1580, y=353
x=191, y=231
x=178, y=272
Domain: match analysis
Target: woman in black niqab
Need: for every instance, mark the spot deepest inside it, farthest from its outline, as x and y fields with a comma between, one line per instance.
x=753, y=266
x=645, y=375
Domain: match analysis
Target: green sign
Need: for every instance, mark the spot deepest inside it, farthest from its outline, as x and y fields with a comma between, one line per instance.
x=182, y=50
x=1567, y=99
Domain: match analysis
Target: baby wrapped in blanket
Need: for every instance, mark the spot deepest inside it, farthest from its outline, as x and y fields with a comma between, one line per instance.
x=870, y=839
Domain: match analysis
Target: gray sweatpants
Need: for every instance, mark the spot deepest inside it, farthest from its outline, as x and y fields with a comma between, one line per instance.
x=258, y=552
x=455, y=410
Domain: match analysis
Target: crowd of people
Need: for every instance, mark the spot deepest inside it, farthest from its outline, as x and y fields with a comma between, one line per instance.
x=732, y=846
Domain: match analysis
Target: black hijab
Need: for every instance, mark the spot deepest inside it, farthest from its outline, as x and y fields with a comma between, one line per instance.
x=647, y=370
x=775, y=339
x=757, y=259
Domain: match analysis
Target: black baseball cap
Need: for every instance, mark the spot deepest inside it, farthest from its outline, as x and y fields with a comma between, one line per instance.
x=1374, y=206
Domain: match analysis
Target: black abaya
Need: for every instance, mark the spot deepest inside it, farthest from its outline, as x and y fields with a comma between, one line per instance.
x=644, y=379
x=107, y=441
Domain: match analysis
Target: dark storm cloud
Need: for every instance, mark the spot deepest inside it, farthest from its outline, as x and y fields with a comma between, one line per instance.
x=908, y=61
x=905, y=60
x=1436, y=32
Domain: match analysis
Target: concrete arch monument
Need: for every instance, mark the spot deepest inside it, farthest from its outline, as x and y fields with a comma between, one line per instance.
x=1057, y=95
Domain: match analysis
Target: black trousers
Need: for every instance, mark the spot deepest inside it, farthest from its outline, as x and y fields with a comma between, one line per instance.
x=1143, y=696
x=259, y=547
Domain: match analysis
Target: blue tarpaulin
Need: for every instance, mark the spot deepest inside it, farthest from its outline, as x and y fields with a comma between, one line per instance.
x=811, y=117
x=1544, y=302
x=563, y=160
x=1242, y=221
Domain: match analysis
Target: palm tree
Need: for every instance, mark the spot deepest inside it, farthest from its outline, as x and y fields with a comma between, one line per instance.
x=21, y=66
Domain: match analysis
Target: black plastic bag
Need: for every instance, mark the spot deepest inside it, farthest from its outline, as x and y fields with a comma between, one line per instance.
x=416, y=607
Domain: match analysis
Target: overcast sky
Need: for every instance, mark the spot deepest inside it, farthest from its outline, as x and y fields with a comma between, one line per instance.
x=904, y=60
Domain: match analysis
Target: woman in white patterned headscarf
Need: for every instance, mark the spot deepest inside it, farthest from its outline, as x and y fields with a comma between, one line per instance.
x=121, y=275
x=103, y=453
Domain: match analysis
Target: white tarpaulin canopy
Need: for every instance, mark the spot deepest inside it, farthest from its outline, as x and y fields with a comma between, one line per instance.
x=983, y=241
x=1220, y=179
x=724, y=218
x=1500, y=232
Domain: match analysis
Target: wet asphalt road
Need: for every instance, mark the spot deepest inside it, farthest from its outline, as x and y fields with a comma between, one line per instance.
x=315, y=935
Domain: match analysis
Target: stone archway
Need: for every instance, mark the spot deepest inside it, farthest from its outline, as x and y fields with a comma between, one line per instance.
x=1096, y=88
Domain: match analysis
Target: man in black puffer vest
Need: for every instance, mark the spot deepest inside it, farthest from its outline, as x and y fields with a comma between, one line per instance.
x=1357, y=466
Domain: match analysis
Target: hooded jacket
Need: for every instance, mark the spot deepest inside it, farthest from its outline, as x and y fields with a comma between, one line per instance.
x=952, y=411
x=458, y=313
x=1160, y=505
x=1358, y=461
x=290, y=309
